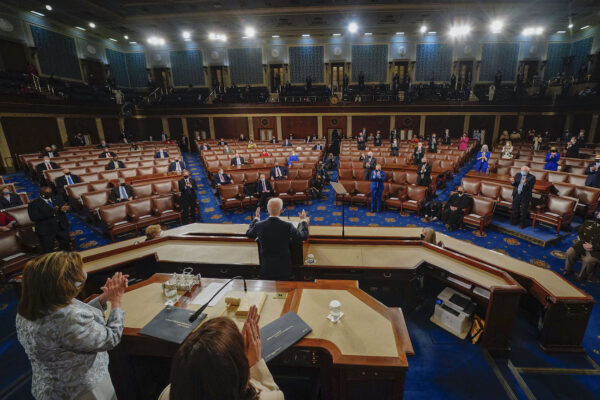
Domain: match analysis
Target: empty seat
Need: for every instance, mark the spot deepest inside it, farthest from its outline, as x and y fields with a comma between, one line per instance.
x=283, y=190
x=13, y=255
x=471, y=186
x=362, y=194
x=140, y=213
x=490, y=191
x=395, y=194
x=161, y=169
x=558, y=177
x=481, y=213
x=414, y=199
x=300, y=190
x=230, y=196
x=109, y=175
x=92, y=201
x=578, y=180
x=115, y=220
x=142, y=190
x=558, y=212
x=588, y=200
x=161, y=188
x=304, y=174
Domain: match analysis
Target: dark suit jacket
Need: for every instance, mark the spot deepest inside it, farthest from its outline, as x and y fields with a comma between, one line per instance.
x=447, y=140
x=318, y=146
x=259, y=188
x=48, y=220
x=234, y=162
x=222, y=143
x=282, y=170
x=433, y=147
x=308, y=139
x=41, y=167
x=226, y=179
x=115, y=196
x=527, y=187
x=157, y=155
x=273, y=141
x=187, y=194
x=287, y=144
x=593, y=178
x=100, y=146
x=61, y=181
x=201, y=148
x=573, y=151
x=103, y=154
x=13, y=201
x=418, y=155
x=173, y=166
x=47, y=153
x=274, y=236
x=78, y=141
x=424, y=178
x=111, y=165
x=369, y=163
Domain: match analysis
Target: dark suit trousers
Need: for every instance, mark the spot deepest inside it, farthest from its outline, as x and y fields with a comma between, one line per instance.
x=47, y=241
x=520, y=209
x=263, y=198
x=367, y=174
x=188, y=211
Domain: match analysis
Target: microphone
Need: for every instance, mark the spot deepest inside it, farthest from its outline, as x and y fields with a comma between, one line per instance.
x=195, y=315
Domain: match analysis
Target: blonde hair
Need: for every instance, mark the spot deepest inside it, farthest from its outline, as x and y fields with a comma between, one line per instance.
x=152, y=231
x=50, y=282
x=429, y=235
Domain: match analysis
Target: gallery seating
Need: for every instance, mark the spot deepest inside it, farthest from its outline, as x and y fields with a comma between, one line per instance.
x=164, y=208
x=140, y=212
x=13, y=254
x=115, y=220
x=481, y=213
x=558, y=212
x=414, y=199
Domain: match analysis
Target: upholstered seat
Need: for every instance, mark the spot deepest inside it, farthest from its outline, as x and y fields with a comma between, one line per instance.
x=363, y=193
x=164, y=209
x=490, y=191
x=588, y=200
x=305, y=173
x=13, y=255
x=300, y=190
x=142, y=190
x=92, y=201
x=414, y=198
x=230, y=196
x=564, y=189
x=481, y=213
x=399, y=177
x=558, y=212
x=345, y=174
x=394, y=195
x=283, y=190
x=471, y=186
x=350, y=187
x=140, y=212
x=161, y=188
x=115, y=220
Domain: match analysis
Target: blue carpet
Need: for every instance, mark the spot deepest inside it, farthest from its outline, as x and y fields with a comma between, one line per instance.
x=444, y=367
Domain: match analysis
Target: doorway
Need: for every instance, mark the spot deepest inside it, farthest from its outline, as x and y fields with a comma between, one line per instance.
x=530, y=70
x=217, y=76
x=337, y=76
x=276, y=77
x=266, y=134
x=93, y=71
x=330, y=134
x=465, y=74
x=162, y=78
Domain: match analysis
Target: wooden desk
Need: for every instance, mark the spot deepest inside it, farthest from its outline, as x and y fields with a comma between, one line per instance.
x=371, y=341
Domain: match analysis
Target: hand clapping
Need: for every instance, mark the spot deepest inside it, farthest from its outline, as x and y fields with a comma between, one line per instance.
x=302, y=215
x=251, y=335
x=113, y=289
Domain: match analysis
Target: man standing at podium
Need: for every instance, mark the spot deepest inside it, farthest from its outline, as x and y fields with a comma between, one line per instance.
x=274, y=236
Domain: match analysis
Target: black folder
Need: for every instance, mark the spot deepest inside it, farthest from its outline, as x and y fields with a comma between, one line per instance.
x=172, y=324
x=282, y=334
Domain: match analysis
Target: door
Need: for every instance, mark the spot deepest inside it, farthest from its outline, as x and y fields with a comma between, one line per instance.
x=93, y=72
x=530, y=70
x=266, y=134
x=217, y=76
x=400, y=68
x=276, y=77
x=337, y=76
x=162, y=78
x=465, y=74
x=330, y=134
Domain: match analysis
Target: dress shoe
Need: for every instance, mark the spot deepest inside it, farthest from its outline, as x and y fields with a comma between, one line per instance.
x=567, y=272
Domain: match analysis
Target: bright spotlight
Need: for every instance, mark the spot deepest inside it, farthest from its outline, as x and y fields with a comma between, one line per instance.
x=92, y=25
x=352, y=27
x=570, y=26
x=48, y=7
x=423, y=29
x=533, y=30
x=187, y=35
x=249, y=32
x=496, y=26
x=125, y=37
x=459, y=31
x=156, y=41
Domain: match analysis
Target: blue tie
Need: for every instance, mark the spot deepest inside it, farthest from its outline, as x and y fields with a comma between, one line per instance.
x=69, y=180
x=123, y=193
x=520, y=188
x=50, y=203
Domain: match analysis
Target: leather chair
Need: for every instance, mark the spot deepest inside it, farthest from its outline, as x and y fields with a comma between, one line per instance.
x=588, y=200
x=300, y=190
x=558, y=212
x=471, y=186
x=350, y=187
x=74, y=193
x=95, y=168
x=411, y=177
x=162, y=188
x=237, y=177
x=92, y=201
x=362, y=194
x=98, y=185
x=394, y=195
x=145, y=171
x=128, y=172
x=505, y=162
x=230, y=196
x=110, y=175
x=490, y=191
x=140, y=212
x=540, y=175
x=13, y=255
x=399, y=177
x=115, y=220
x=564, y=189
x=164, y=209
x=577, y=170
x=578, y=180
x=414, y=199
x=142, y=190
x=252, y=176
x=505, y=200
x=161, y=169
x=90, y=177
x=345, y=174
x=305, y=174
x=481, y=213
x=25, y=228
x=283, y=190
x=502, y=170
x=557, y=176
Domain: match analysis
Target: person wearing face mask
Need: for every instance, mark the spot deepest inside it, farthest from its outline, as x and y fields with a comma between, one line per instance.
x=177, y=165
x=65, y=339
x=378, y=139
x=463, y=143
x=221, y=178
x=45, y=165
x=433, y=144
x=120, y=193
x=447, y=139
x=6, y=222
x=237, y=160
x=418, y=154
x=66, y=179
x=585, y=248
x=49, y=214
x=523, y=183
x=394, y=149
x=455, y=208
x=49, y=152
x=369, y=164
x=115, y=163
x=377, y=178
x=9, y=199
x=483, y=158
x=278, y=172
x=187, y=201
x=552, y=159
x=424, y=173
x=265, y=190
x=593, y=173
x=573, y=148
x=107, y=153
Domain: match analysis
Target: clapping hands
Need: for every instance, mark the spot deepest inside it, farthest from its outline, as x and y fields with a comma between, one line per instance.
x=113, y=289
x=251, y=335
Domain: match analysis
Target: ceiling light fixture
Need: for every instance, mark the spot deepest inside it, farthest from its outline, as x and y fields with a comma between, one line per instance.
x=48, y=7
x=570, y=26
x=217, y=36
x=431, y=33
x=275, y=36
x=132, y=42
x=423, y=29
x=337, y=34
x=80, y=28
x=37, y=13
x=399, y=33
x=305, y=35
x=125, y=37
x=352, y=27
x=249, y=32
x=496, y=26
x=187, y=35
x=534, y=30
x=584, y=27
x=156, y=41
x=561, y=32
x=244, y=37
x=368, y=34
x=112, y=40
x=459, y=31
x=92, y=25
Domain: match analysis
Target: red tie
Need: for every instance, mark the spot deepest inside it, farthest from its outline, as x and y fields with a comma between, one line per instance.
x=277, y=173
x=48, y=165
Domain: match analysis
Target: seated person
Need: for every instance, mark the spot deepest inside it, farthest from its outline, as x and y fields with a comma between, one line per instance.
x=251, y=144
x=424, y=173
x=46, y=164
x=177, y=165
x=292, y=157
x=121, y=193
x=274, y=140
x=593, y=173
x=483, y=157
x=49, y=152
x=6, y=222
x=134, y=147
x=318, y=146
x=153, y=232
x=455, y=209
x=115, y=163
x=587, y=245
x=102, y=144
x=264, y=190
x=221, y=178
x=9, y=199
x=242, y=138
x=218, y=362
x=552, y=159
x=66, y=179
x=203, y=147
x=222, y=143
x=107, y=153
x=264, y=153
x=161, y=153
x=278, y=172
x=237, y=160
x=286, y=143
x=227, y=150
x=316, y=188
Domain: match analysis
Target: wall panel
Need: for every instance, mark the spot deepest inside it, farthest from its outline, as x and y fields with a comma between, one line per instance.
x=186, y=67
x=338, y=123
x=300, y=126
x=245, y=66
x=481, y=122
x=434, y=62
x=372, y=124
x=112, y=129
x=118, y=67
x=306, y=61
x=408, y=122
x=581, y=121
x=136, y=69
x=372, y=60
x=259, y=123
x=555, y=59
x=56, y=53
x=28, y=135
x=198, y=125
x=83, y=125
x=142, y=129
x=508, y=123
x=499, y=56
x=231, y=127
x=439, y=123
x=175, y=128
x=579, y=52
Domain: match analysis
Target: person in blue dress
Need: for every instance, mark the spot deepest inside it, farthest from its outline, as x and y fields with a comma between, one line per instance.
x=483, y=158
x=377, y=183
x=552, y=159
x=292, y=157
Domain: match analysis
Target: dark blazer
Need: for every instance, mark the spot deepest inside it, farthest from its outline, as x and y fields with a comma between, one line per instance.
x=61, y=181
x=78, y=141
x=115, y=195
x=274, y=236
x=41, y=167
x=225, y=181
x=282, y=170
x=369, y=163
x=318, y=146
x=187, y=194
x=202, y=147
x=447, y=140
x=418, y=155
x=424, y=178
x=173, y=165
x=100, y=146
x=308, y=139
x=13, y=201
x=433, y=147
x=274, y=140
x=593, y=179
x=527, y=187
x=573, y=151
x=111, y=165
x=103, y=154
x=48, y=220
x=47, y=153
x=157, y=155
x=378, y=141
x=287, y=144
x=234, y=162
x=259, y=188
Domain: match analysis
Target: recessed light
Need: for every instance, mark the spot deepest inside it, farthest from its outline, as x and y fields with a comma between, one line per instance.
x=570, y=26
x=496, y=26
x=112, y=40
x=584, y=27
x=431, y=33
x=187, y=35
x=244, y=37
x=48, y=7
x=275, y=36
x=561, y=32
x=125, y=37
x=37, y=13
x=368, y=33
x=352, y=27
x=156, y=41
x=337, y=34
x=80, y=28
x=92, y=25
x=249, y=31
x=423, y=29
x=399, y=33
x=305, y=35
x=132, y=42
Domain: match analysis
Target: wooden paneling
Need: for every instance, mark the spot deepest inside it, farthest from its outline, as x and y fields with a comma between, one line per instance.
x=175, y=128
x=439, y=123
x=142, y=129
x=111, y=128
x=198, y=125
x=581, y=121
x=372, y=124
x=508, y=123
x=28, y=135
x=231, y=127
x=339, y=123
x=408, y=122
x=83, y=125
x=300, y=126
x=259, y=123
x=12, y=56
x=541, y=123
x=481, y=122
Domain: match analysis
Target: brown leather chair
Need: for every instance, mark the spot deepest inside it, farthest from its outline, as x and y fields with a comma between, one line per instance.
x=95, y=168
x=128, y=172
x=414, y=199
x=110, y=175
x=92, y=201
x=164, y=209
x=142, y=190
x=362, y=194
x=394, y=195
x=13, y=255
x=350, y=187
x=345, y=174
x=140, y=212
x=411, y=177
x=252, y=176
x=558, y=212
x=162, y=188
x=305, y=174
x=399, y=177
x=481, y=213
x=230, y=196
x=577, y=170
x=283, y=190
x=90, y=177
x=98, y=185
x=564, y=189
x=578, y=180
x=502, y=170
x=505, y=200
x=557, y=176
x=115, y=220
x=588, y=200
x=300, y=190
x=237, y=177
x=74, y=193
x=490, y=191
x=145, y=171
x=540, y=175
x=161, y=169
x=25, y=228
x=471, y=186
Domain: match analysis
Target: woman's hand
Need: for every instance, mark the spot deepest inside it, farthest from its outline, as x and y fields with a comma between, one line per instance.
x=113, y=289
x=251, y=335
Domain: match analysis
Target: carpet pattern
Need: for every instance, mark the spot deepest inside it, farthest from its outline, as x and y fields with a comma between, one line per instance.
x=444, y=367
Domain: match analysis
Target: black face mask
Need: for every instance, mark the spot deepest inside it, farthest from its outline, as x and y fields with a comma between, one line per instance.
x=186, y=176
x=45, y=195
x=122, y=184
x=67, y=173
x=460, y=193
x=422, y=236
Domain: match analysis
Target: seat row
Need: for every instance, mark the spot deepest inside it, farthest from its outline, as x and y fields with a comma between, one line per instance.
x=253, y=176
x=240, y=196
x=543, y=175
x=213, y=166
x=400, y=161
x=113, y=174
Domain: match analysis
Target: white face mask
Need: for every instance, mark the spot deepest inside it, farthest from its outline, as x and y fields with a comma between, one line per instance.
x=78, y=284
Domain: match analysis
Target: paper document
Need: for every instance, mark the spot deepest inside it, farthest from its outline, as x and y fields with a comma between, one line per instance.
x=209, y=291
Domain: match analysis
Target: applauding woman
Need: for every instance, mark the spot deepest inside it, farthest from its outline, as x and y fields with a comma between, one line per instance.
x=217, y=362
x=507, y=151
x=67, y=340
x=552, y=159
x=483, y=158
